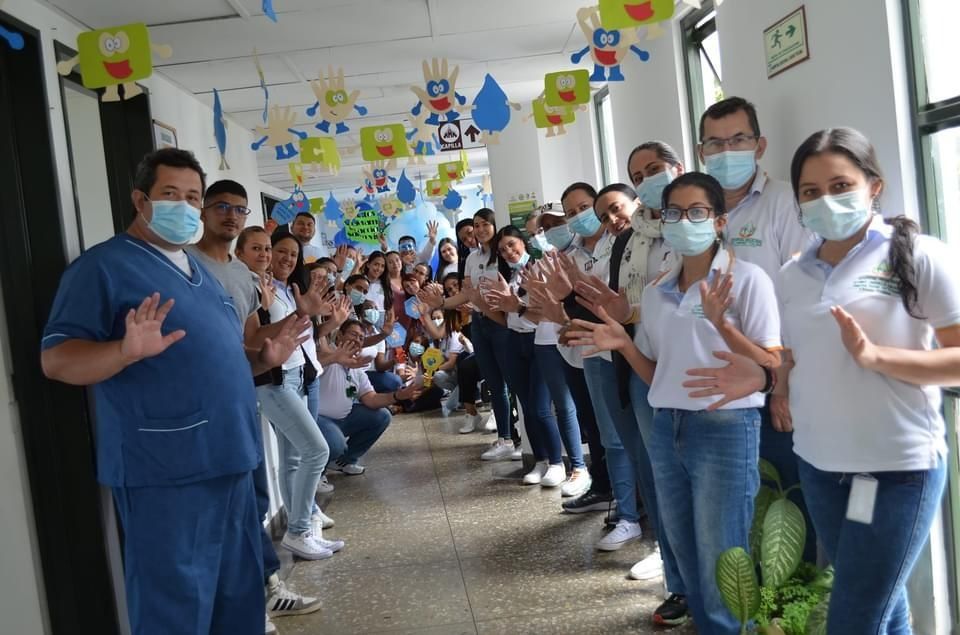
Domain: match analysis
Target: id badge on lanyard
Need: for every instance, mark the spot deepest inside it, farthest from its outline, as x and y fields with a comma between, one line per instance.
x=863, y=499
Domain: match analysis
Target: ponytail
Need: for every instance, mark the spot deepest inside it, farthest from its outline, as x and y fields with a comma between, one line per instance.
x=901, y=261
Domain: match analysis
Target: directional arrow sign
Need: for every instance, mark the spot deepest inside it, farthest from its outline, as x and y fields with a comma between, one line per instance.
x=472, y=132
x=791, y=30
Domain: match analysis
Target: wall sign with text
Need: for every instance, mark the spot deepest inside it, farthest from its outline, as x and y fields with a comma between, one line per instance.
x=785, y=42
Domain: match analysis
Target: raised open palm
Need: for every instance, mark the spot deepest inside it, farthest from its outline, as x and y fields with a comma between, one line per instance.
x=144, y=337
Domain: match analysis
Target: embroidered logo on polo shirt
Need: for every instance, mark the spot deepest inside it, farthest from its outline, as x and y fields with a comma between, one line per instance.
x=745, y=237
x=881, y=280
x=697, y=309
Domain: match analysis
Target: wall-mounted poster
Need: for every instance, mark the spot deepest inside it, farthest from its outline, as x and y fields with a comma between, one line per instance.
x=785, y=42
x=164, y=136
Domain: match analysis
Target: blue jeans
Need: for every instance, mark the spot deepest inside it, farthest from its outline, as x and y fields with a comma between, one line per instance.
x=872, y=562
x=350, y=438
x=706, y=467
x=577, y=384
x=384, y=382
x=643, y=413
x=602, y=384
x=526, y=384
x=550, y=364
x=303, y=450
x=491, y=344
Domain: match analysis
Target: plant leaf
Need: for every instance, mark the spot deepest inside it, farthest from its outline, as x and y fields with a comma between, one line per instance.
x=781, y=546
x=769, y=473
x=817, y=622
x=761, y=504
x=737, y=581
x=824, y=580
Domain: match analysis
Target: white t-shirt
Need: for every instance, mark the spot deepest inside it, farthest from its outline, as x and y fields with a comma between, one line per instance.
x=547, y=333
x=476, y=267
x=283, y=305
x=177, y=257
x=335, y=383
x=847, y=418
x=450, y=345
x=516, y=322
x=375, y=294
x=450, y=267
x=765, y=227
x=675, y=333
x=372, y=351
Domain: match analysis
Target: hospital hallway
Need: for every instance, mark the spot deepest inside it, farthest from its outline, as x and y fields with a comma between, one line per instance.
x=440, y=543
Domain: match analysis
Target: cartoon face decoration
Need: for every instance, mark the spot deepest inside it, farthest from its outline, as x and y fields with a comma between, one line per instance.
x=451, y=171
x=568, y=88
x=336, y=100
x=378, y=143
x=436, y=187
x=114, y=55
x=349, y=209
x=545, y=116
x=617, y=14
x=390, y=207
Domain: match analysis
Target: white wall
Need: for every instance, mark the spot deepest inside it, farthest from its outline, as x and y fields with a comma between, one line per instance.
x=568, y=158
x=515, y=167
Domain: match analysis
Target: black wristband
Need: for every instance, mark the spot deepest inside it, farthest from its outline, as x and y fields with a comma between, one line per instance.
x=770, y=380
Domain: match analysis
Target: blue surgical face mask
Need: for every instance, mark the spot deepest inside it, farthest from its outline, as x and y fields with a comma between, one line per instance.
x=650, y=190
x=174, y=221
x=357, y=297
x=690, y=239
x=732, y=168
x=416, y=349
x=585, y=223
x=559, y=236
x=520, y=263
x=348, y=265
x=837, y=217
x=371, y=315
x=540, y=242
x=331, y=279
x=438, y=321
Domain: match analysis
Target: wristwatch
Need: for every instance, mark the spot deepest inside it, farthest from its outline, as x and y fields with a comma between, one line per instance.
x=770, y=380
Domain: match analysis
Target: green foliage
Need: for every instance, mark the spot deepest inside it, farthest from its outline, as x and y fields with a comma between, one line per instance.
x=781, y=546
x=737, y=582
x=770, y=474
x=817, y=621
x=761, y=504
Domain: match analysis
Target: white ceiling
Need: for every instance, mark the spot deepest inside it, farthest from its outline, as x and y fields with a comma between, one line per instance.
x=380, y=44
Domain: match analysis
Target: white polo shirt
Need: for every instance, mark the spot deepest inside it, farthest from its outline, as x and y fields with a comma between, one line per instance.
x=476, y=267
x=676, y=335
x=372, y=351
x=375, y=294
x=764, y=228
x=516, y=322
x=595, y=263
x=335, y=383
x=846, y=418
x=283, y=305
x=547, y=333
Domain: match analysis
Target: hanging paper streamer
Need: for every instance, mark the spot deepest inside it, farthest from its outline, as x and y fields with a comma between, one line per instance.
x=422, y=139
x=383, y=142
x=406, y=192
x=607, y=48
x=377, y=174
x=491, y=110
x=366, y=226
x=113, y=57
x=567, y=88
x=263, y=84
x=220, y=130
x=333, y=102
x=615, y=14
x=268, y=10
x=321, y=152
x=440, y=95
x=452, y=201
x=280, y=133
x=286, y=211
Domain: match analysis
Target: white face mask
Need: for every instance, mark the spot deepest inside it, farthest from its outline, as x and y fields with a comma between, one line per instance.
x=837, y=217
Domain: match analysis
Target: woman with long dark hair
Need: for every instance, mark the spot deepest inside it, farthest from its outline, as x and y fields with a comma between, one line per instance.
x=375, y=270
x=449, y=259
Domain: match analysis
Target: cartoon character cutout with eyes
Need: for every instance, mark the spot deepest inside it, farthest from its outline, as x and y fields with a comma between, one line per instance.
x=607, y=48
x=280, y=133
x=440, y=96
x=333, y=102
x=378, y=174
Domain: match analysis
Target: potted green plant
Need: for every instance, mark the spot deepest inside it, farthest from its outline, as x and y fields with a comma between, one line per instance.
x=793, y=596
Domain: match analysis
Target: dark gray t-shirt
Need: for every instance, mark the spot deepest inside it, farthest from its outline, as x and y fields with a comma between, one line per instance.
x=236, y=278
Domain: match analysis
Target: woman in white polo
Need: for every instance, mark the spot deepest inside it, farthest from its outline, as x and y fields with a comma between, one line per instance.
x=705, y=461
x=864, y=397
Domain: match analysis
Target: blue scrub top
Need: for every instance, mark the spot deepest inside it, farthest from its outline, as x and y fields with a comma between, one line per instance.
x=186, y=415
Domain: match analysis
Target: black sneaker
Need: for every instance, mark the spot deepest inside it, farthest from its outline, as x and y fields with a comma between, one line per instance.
x=672, y=612
x=589, y=502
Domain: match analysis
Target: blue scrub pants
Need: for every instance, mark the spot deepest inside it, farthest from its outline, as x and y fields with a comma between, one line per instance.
x=192, y=558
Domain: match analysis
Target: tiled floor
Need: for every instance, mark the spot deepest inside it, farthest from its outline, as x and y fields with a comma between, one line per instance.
x=441, y=543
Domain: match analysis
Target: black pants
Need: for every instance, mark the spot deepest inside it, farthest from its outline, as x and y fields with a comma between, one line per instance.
x=588, y=428
x=468, y=376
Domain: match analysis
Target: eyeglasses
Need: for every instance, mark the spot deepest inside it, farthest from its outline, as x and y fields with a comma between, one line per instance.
x=407, y=247
x=225, y=208
x=736, y=142
x=694, y=214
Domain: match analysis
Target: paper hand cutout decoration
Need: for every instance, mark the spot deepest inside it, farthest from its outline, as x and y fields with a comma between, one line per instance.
x=220, y=130
x=440, y=92
x=422, y=139
x=491, y=110
x=280, y=133
x=113, y=57
x=607, y=48
x=333, y=101
x=378, y=174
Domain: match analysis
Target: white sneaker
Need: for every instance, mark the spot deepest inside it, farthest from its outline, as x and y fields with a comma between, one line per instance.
x=577, y=484
x=534, y=476
x=332, y=545
x=306, y=546
x=649, y=568
x=282, y=601
x=490, y=425
x=269, y=628
x=624, y=532
x=470, y=423
x=318, y=518
x=352, y=469
x=517, y=454
x=501, y=450
x=554, y=475
x=324, y=486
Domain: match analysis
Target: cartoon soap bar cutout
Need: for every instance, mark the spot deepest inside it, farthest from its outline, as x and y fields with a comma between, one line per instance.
x=550, y=118
x=321, y=151
x=436, y=187
x=491, y=110
x=567, y=88
x=439, y=95
x=113, y=57
x=607, y=48
x=383, y=142
x=617, y=14
x=451, y=171
x=280, y=133
x=334, y=102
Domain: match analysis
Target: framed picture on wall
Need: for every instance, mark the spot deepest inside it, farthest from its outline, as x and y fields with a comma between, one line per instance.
x=164, y=136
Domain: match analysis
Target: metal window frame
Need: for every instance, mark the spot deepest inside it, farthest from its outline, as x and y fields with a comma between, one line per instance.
x=691, y=41
x=598, y=98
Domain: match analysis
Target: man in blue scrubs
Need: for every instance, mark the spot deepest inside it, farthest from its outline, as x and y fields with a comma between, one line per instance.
x=177, y=428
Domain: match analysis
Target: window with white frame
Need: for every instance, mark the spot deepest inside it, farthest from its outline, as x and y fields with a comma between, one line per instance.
x=704, y=74
x=605, y=138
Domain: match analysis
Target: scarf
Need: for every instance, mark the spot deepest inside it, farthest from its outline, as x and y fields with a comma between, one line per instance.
x=633, y=269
